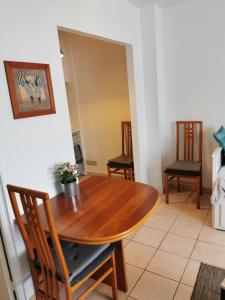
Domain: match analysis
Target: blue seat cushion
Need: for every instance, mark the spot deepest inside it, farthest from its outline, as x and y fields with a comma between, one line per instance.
x=220, y=136
x=122, y=161
x=80, y=259
x=184, y=167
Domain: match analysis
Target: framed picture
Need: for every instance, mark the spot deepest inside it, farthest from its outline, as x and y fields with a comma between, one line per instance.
x=30, y=89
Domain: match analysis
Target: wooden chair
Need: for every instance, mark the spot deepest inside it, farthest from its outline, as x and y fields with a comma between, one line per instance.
x=188, y=162
x=57, y=264
x=123, y=164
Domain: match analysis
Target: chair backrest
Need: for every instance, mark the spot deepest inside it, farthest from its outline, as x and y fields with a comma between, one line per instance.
x=126, y=138
x=35, y=238
x=189, y=140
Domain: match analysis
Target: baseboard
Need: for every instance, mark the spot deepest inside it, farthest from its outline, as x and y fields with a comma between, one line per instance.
x=206, y=190
x=98, y=174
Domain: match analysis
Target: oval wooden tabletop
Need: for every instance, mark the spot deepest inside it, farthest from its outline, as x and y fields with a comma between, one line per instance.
x=105, y=210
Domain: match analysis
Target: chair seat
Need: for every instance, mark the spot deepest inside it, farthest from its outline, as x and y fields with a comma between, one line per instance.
x=80, y=259
x=122, y=161
x=184, y=167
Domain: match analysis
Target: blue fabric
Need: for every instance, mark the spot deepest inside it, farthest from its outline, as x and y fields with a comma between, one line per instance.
x=80, y=259
x=220, y=136
x=106, y=253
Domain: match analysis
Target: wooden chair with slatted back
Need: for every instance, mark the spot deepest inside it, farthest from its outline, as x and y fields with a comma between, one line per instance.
x=123, y=164
x=188, y=162
x=57, y=264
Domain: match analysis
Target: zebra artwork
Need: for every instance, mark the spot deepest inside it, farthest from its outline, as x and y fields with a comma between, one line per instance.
x=38, y=82
x=22, y=80
x=29, y=85
x=30, y=89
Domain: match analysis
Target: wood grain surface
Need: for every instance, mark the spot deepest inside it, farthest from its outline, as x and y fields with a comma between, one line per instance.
x=105, y=210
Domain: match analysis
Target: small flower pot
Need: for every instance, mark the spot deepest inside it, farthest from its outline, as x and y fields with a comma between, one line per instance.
x=69, y=189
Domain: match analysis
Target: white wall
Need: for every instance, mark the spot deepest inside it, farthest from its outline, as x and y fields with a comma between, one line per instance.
x=154, y=88
x=195, y=71
x=31, y=147
x=98, y=71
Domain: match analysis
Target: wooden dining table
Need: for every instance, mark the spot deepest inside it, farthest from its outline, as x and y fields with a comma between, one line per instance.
x=105, y=210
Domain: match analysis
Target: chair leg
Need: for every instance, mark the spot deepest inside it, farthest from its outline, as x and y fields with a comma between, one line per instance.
x=198, y=188
x=167, y=188
x=201, y=188
x=114, y=279
x=125, y=173
x=129, y=174
x=178, y=184
x=68, y=292
x=109, y=173
x=37, y=297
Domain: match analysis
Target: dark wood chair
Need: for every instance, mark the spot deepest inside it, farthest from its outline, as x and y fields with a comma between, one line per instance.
x=123, y=164
x=57, y=264
x=188, y=162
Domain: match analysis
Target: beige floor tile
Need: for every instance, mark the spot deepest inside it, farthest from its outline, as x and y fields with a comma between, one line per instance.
x=209, y=253
x=205, y=201
x=82, y=289
x=211, y=235
x=168, y=264
x=178, y=245
x=133, y=274
x=208, y=220
x=131, y=235
x=125, y=242
x=190, y=274
x=184, y=292
x=138, y=254
x=99, y=295
x=154, y=287
x=149, y=236
x=186, y=228
x=178, y=198
x=169, y=210
x=160, y=222
x=192, y=214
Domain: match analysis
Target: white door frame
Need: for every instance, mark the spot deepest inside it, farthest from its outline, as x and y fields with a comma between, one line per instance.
x=5, y=283
x=9, y=242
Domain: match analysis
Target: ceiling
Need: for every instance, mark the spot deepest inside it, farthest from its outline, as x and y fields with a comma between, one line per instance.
x=141, y=3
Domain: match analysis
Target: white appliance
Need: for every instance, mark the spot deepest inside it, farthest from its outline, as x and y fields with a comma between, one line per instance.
x=218, y=207
x=78, y=152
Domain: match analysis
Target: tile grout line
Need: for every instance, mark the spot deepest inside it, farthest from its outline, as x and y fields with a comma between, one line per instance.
x=176, y=218
x=157, y=248
x=190, y=256
x=145, y=269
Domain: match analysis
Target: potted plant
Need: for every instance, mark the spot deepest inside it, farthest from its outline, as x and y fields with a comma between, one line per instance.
x=67, y=174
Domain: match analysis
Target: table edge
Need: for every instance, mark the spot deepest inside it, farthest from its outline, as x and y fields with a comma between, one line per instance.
x=117, y=237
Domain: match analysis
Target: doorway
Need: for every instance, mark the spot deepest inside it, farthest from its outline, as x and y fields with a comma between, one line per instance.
x=96, y=80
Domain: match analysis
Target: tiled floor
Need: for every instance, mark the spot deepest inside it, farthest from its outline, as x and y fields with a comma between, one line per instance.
x=164, y=255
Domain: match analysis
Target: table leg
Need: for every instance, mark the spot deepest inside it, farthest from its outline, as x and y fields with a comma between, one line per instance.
x=121, y=267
